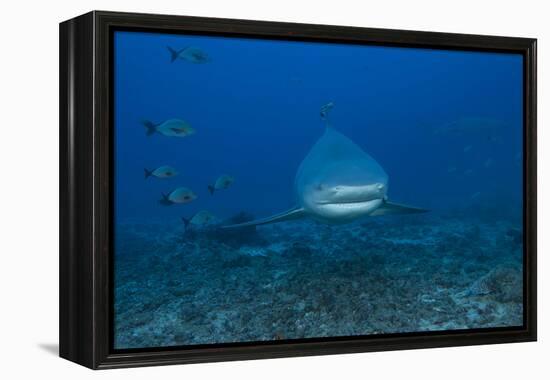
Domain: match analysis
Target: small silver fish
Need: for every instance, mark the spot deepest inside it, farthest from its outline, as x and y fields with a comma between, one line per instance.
x=451, y=169
x=223, y=182
x=201, y=218
x=469, y=172
x=170, y=128
x=467, y=148
x=162, y=172
x=189, y=54
x=179, y=195
x=325, y=110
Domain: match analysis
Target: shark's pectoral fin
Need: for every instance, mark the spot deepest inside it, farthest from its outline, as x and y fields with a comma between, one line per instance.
x=389, y=208
x=294, y=213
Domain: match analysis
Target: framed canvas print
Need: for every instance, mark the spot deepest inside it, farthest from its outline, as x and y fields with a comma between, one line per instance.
x=239, y=189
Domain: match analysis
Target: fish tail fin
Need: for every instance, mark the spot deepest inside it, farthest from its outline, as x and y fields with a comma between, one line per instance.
x=165, y=201
x=151, y=127
x=185, y=221
x=211, y=189
x=148, y=173
x=173, y=54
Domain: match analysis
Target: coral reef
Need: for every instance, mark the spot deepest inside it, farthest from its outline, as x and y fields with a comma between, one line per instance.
x=303, y=279
x=504, y=282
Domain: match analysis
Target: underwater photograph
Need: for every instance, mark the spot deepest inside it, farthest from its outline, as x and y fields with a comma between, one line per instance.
x=275, y=190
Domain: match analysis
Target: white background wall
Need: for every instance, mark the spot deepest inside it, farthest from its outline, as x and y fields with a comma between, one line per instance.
x=29, y=187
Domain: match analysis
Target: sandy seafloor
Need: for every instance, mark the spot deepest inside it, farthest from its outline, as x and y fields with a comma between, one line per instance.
x=303, y=279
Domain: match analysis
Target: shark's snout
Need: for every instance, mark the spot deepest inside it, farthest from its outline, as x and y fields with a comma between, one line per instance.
x=342, y=203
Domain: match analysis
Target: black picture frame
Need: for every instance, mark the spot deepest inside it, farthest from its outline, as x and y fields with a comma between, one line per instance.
x=86, y=184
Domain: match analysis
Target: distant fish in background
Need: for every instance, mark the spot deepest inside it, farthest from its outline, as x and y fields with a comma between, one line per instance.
x=475, y=195
x=223, y=182
x=170, y=128
x=162, y=172
x=467, y=148
x=471, y=126
x=451, y=169
x=189, y=54
x=201, y=218
x=325, y=109
x=179, y=195
x=468, y=172
x=488, y=163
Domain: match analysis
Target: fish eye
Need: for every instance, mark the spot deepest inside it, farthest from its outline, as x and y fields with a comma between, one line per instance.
x=320, y=187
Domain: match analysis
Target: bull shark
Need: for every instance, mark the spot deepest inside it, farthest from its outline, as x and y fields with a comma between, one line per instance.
x=337, y=183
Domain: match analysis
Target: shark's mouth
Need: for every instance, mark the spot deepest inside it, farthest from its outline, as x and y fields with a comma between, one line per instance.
x=343, y=211
x=350, y=206
x=347, y=202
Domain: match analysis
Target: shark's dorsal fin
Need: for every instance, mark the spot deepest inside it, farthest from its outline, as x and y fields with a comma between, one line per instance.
x=293, y=213
x=389, y=208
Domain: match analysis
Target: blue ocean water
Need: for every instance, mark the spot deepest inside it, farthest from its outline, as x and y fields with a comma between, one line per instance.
x=446, y=126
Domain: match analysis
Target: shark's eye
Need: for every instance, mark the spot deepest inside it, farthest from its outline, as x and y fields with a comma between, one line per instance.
x=319, y=187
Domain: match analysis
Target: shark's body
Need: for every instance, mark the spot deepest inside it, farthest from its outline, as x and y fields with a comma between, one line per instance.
x=337, y=182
